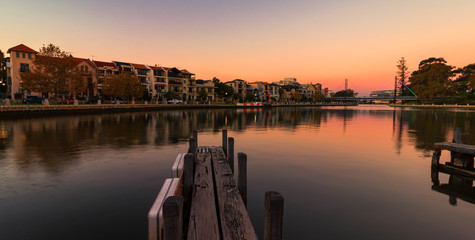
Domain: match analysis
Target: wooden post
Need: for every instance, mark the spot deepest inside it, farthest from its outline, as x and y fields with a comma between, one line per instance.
x=457, y=135
x=172, y=218
x=195, y=136
x=192, y=146
x=188, y=178
x=242, y=176
x=225, y=141
x=231, y=153
x=435, y=159
x=274, y=214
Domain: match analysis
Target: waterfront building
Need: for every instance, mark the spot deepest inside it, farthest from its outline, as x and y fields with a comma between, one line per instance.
x=159, y=82
x=21, y=60
x=87, y=70
x=288, y=81
x=144, y=74
x=239, y=86
x=103, y=69
x=274, y=92
x=190, y=86
x=8, y=78
x=208, y=86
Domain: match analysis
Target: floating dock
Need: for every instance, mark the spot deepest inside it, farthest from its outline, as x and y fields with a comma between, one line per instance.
x=202, y=200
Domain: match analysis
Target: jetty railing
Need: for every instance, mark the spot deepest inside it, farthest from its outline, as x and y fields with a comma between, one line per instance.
x=203, y=201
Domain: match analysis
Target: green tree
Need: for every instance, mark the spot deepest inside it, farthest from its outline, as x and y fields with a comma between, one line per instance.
x=432, y=79
x=402, y=75
x=251, y=97
x=296, y=96
x=462, y=82
x=318, y=96
x=202, y=95
x=345, y=93
x=54, y=71
x=170, y=95
x=3, y=73
x=222, y=90
x=237, y=96
x=123, y=85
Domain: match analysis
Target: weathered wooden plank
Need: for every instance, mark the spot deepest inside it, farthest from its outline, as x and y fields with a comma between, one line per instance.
x=203, y=222
x=172, y=218
x=234, y=219
x=177, y=168
x=456, y=170
x=171, y=187
x=456, y=147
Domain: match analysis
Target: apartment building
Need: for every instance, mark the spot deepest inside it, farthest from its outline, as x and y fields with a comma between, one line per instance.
x=208, y=87
x=21, y=60
x=239, y=86
x=103, y=69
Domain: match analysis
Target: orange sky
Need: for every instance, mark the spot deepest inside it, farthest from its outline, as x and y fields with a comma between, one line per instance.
x=313, y=41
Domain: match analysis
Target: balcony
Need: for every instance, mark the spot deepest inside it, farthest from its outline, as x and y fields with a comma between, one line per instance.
x=174, y=82
x=86, y=73
x=160, y=80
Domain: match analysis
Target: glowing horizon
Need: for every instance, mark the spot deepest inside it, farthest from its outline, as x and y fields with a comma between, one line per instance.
x=313, y=41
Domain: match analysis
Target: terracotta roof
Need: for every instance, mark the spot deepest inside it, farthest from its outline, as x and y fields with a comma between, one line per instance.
x=155, y=67
x=79, y=60
x=21, y=48
x=139, y=66
x=104, y=64
x=186, y=71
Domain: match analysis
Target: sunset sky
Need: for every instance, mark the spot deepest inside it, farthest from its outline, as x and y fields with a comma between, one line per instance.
x=314, y=41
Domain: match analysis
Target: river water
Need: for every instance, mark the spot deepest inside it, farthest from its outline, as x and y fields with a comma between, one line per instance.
x=345, y=172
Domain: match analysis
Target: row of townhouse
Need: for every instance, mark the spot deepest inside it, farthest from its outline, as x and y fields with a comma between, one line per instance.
x=282, y=90
x=157, y=80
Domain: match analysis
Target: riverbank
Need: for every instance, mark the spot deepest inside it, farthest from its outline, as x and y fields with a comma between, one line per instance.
x=22, y=110
x=430, y=106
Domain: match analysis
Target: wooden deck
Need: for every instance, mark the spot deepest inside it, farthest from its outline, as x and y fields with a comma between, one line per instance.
x=211, y=205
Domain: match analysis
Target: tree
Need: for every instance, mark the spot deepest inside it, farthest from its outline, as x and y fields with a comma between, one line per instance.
x=170, y=95
x=237, y=96
x=222, y=90
x=3, y=73
x=402, y=75
x=463, y=83
x=202, y=95
x=345, y=93
x=251, y=97
x=318, y=96
x=432, y=79
x=55, y=72
x=296, y=96
x=123, y=85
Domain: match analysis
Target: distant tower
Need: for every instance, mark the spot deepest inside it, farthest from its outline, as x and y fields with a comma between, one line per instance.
x=346, y=84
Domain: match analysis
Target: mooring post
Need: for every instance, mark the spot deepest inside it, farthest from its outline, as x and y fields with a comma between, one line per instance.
x=231, y=153
x=225, y=141
x=242, y=176
x=195, y=136
x=192, y=146
x=188, y=178
x=457, y=135
x=274, y=214
x=172, y=218
x=435, y=159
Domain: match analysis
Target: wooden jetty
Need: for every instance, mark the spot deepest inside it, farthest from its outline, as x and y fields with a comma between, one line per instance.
x=460, y=168
x=202, y=200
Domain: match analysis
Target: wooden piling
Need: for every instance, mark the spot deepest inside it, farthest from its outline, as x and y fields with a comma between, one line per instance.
x=242, y=176
x=231, y=153
x=172, y=218
x=274, y=213
x=435, y=159
x=225, y=141
x=457, y=135
x=195, y=136
x=192, y=146
x=188, y=182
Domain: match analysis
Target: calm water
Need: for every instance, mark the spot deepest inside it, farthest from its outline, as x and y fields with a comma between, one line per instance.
x=355, y=173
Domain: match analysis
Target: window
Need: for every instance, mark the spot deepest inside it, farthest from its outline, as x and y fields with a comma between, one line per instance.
x=29, y=55
x=184, y=89
x=210, y=90
x=86, y=69
x=17, y=54
x=24, y=67
x=23, y=55
x=82, y=68
x=184, y=81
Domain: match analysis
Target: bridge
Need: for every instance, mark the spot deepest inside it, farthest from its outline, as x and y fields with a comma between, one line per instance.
x=382, y=98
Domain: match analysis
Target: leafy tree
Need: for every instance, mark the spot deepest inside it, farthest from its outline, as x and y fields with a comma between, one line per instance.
x=123, y=85
x=222, y=90
x=3, y=73
x=54, y=71
x=463, y=83
x=202, y=95
x=318, y=96
x=237, y=96
x=296, y=96
x=170, y=95
x=251, y=97
x=345, y=93
x=146, y=95
x=402, y=74
x=432, y=79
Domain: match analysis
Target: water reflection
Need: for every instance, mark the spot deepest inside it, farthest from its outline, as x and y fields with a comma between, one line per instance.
x=54, y=143
x=458, y=187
